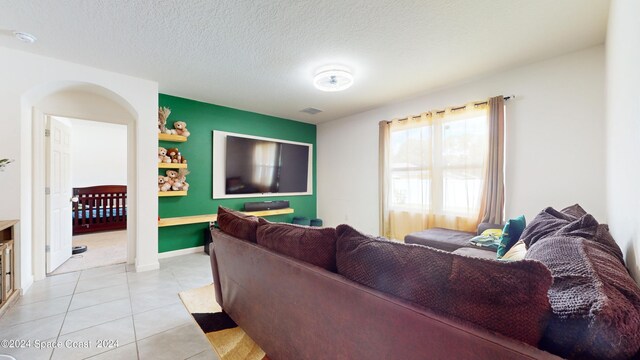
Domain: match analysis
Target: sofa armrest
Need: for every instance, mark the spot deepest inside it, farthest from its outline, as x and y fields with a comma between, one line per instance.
x=214, y=271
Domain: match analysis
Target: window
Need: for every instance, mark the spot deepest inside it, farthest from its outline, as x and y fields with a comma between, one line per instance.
x=433, y=170
x=438, y=165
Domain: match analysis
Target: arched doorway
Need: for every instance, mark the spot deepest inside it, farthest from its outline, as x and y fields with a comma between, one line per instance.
x=81, y=101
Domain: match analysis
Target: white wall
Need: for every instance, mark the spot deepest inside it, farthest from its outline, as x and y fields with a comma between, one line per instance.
x=623, y=129
x=28, y=78
x=98, y=153
x=555, y=141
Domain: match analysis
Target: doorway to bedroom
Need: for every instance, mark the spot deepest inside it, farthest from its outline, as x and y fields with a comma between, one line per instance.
x=86, y=166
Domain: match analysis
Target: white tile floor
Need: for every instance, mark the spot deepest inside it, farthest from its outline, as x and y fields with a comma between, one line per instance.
x=141, y=311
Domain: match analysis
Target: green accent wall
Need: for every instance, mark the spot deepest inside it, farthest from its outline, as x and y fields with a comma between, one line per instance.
x=202, y=119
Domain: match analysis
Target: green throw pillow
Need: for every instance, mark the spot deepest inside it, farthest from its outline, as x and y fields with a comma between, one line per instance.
x=511, y=234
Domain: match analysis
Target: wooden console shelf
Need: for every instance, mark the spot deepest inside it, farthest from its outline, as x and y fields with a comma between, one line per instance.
x=172, y=193
x=171, y=166
x=173, y=138
x=8, y=289
x=196, y=219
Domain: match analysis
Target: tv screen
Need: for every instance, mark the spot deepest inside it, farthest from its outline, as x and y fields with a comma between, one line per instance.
x=265, y=166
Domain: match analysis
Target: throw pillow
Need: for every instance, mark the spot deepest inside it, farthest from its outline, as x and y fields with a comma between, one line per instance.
x=517, y=252
x=492, y=232
x=511, y=234
x=468, y=288
x=595, y=303
x=315, y=245
x=237, y=224
x=490, y=241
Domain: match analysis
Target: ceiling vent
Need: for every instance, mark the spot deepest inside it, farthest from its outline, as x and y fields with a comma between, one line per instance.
x=311, y=111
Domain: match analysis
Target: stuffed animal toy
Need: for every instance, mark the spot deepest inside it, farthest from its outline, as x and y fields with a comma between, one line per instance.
x=173, y=180
x=172, y=174
x=172, y=153
x=163, y=183
x=163, y=114
x=162, y=156
x=175, y=156
x=181, y=128
x=182, y=178
x=177, y=185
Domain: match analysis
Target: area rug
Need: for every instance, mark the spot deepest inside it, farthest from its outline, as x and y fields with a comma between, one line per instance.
x=228, y=340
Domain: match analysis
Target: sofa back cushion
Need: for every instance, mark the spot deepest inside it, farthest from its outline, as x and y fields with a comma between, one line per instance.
x=237, y=224
x=315, y=245
x=595, y=303
x=506, y=297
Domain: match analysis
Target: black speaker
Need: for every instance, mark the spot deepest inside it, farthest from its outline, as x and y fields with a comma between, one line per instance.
x=266, y=205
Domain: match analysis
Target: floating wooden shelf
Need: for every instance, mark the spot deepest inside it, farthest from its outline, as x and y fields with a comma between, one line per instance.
x=173, y=138
x=172, y=193
x=196, y=219
x=270, y=212
x=171, y=166
x=185, y=220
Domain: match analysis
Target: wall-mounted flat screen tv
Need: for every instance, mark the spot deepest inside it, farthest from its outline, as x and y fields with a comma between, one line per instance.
x=251, y=166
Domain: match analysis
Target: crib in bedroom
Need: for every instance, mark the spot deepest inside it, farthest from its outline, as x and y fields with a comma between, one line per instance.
x=99, y=208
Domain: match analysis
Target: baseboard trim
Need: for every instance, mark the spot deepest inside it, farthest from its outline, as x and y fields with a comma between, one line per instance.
x=26, y=284
x=148, y=267
x=193, y=250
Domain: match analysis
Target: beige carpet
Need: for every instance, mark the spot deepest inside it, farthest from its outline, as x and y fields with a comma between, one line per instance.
x=103, y=248
x=228, y=340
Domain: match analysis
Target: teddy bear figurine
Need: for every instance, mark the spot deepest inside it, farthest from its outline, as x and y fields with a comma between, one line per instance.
x=163, y=183
x=162, y=156
x=173, y=180
x=181, y=128
x=177, y=185
x=182, y=178
x=175, y=156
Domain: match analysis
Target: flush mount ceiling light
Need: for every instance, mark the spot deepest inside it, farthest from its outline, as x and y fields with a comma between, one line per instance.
x=333, y=79
x=24, y=37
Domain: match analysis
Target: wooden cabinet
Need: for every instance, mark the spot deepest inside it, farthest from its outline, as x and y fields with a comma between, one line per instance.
x=7, y=263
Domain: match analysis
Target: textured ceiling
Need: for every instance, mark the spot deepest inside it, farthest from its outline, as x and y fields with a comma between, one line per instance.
x=261, y=55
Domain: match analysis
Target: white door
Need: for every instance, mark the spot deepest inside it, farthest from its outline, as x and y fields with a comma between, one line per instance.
x=58, y=247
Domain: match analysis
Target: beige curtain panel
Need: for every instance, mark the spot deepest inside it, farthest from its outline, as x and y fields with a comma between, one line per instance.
x=433, y=170
x=492, y=206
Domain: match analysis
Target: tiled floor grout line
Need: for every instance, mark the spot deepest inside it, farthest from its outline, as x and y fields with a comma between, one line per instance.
x=65, y=314
x=117, y=262
x=102, y=303
x=133, y=318
x=18, y=304
x=135, y=338
x=25, y=322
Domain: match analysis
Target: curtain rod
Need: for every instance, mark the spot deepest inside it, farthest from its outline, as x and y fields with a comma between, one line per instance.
x=456, y=108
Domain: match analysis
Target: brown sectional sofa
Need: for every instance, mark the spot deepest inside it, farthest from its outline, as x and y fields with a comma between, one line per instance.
x=449, y=240
x=368, y=305
x=295, y=310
